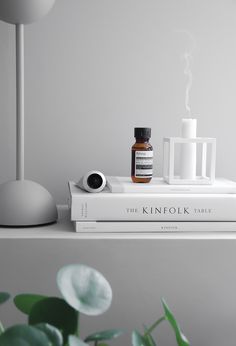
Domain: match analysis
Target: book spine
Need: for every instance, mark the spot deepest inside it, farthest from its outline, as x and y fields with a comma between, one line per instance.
x=152, y=227
x=117, y=207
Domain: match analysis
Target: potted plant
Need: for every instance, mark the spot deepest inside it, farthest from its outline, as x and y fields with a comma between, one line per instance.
x=55, y=321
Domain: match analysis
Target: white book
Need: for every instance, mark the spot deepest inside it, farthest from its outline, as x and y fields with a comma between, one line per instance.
x=107, y=206
x=152, y=227
x=158, y=185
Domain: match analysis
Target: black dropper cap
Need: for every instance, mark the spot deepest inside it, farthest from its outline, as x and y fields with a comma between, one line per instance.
x=142, y=132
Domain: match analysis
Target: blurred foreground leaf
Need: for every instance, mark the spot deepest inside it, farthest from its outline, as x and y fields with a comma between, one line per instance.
x=53, y=334
x=25, y=302
x=56, y=312
x=138, y=339
x=85, y=289
x=104, y=335
x=148, y=338
x=4, y=297
x=23, y=335
x=180, y=337
x=74, y=341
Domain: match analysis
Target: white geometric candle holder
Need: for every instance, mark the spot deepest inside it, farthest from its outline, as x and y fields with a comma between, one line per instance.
x=207, y=158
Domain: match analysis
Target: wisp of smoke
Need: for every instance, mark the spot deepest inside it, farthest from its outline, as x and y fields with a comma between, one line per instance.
x=188, y=57
x=188, y=73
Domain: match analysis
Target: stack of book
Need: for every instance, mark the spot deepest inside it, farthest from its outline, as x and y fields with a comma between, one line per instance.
x=154, y=207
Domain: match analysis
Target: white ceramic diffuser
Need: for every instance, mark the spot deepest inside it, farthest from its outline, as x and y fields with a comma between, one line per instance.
x=196, y=153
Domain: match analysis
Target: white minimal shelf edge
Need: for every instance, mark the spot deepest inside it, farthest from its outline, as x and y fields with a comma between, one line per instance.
x=63, y=229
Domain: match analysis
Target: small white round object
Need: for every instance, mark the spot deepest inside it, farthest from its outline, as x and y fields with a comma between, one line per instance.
x=93, y=181
x=24, y=11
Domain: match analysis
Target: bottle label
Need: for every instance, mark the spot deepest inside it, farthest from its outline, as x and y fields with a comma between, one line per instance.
x=143, y=164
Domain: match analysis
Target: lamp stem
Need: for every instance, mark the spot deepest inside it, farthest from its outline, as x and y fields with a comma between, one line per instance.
x=20, y=107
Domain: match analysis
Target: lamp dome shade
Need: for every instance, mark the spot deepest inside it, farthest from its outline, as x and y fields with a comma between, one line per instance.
x=24, y=11
x=25, y=203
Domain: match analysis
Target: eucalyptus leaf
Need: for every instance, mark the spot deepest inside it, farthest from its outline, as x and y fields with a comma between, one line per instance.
x=85, y=289
x=56, y=312
x=25, y=302
x=23, y=335
x=74, y=341
x=180, y=337
x=4, y=297
x=104, y=335
x=53, y=334
x=138, y=339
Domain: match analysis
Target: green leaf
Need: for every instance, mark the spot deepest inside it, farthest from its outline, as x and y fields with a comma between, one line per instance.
x=148, y=338
x=74, y=341
x=138, y=339
x=25, y=302
x=103, y=344
x=180, y=337
x=4, y=297
x=53, y=334
x=56, y=312
x=23, y=335
x=104, y=335
x=1, y=328
x=85, y=289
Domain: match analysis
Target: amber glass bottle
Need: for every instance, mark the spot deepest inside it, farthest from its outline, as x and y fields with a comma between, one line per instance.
x=142, y=156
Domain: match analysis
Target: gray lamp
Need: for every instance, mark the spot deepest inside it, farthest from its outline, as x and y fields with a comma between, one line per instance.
x=23, y=202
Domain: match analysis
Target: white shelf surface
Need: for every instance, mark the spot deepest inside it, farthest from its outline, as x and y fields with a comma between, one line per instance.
x=63, y=229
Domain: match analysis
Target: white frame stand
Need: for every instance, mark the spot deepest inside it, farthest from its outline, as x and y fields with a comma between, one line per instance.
x=169, y=161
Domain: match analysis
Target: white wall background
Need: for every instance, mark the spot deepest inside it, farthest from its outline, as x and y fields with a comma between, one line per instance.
x=95, y=69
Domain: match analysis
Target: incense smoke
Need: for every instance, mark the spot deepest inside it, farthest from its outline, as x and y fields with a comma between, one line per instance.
x=188, y=58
